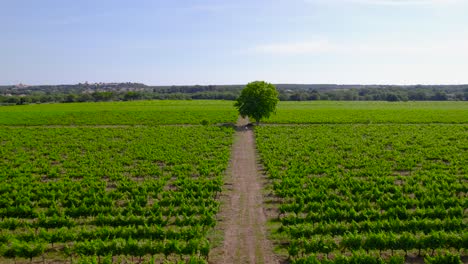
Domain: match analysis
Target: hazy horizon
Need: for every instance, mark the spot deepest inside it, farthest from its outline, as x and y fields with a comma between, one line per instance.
x=235, y=84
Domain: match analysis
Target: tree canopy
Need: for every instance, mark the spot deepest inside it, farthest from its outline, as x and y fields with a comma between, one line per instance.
x=257, y=100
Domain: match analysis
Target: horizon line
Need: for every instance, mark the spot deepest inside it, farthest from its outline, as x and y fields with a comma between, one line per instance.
x=234, y=84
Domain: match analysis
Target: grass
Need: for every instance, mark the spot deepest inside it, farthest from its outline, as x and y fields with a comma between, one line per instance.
x=120, y=113
x=332, y=112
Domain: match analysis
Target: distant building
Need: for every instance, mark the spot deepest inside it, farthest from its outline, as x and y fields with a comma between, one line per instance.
x=20, y=85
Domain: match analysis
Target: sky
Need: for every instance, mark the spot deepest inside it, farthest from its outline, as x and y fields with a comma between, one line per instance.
x=187, y=42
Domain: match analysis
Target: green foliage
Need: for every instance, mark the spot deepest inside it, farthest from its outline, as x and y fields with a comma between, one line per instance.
x=287, y=92
x=141, y=191
x=373, y=190
x=257, y=100
x=22, y=249
x=323, y=112
x=120, y=113
x=134, y=191
x=354, y=259
x=352, y=242
x=396, y=260
x=447, y=259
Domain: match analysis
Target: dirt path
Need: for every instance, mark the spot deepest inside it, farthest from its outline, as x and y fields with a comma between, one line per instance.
x=245, y=236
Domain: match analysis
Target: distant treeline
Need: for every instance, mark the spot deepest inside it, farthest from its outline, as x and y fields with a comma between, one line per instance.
x=21, y=94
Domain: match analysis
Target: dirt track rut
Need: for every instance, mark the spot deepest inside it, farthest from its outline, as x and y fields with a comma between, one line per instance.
x=245, y=235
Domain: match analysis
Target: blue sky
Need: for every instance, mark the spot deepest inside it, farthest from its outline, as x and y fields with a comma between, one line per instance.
x=234, y=42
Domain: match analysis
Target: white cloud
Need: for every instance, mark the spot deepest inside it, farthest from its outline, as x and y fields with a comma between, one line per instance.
x=452, y=47
x=408, y=2
x=458, y=47
x=290, y=48
x=393, y=2
x=411, y=47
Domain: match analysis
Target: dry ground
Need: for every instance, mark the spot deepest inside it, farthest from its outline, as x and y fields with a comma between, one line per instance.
x=243, y=218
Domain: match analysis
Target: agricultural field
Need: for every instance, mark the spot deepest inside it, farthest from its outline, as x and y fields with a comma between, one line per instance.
x=120, y=113
x=359, y=193
x=134, y=194
x=328, y=112
x=142, y=181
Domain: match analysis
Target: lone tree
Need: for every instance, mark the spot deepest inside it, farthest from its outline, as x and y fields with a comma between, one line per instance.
x=257, y=100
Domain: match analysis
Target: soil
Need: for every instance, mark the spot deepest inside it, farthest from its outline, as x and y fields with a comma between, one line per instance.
x=244, y=220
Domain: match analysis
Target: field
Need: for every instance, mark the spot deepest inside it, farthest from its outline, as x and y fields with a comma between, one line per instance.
x=355, y=182
x=326, y=112
x=120, y=113
x=368, y=190
x=114, y=192
x=143, y=181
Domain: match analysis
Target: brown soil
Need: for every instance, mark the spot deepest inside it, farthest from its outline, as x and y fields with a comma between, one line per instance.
x=245, y=236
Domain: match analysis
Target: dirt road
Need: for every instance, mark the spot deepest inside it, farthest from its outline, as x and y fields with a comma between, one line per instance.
x=245, y=236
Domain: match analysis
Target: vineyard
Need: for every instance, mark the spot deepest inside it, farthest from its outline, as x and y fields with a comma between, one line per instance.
x=120, y=113
x=95, y=194
x=323, y=112
x=368, y=193
x=143, y=181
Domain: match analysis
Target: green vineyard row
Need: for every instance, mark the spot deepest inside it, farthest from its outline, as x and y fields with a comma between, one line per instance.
x=145, y=192
x=344, y=189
